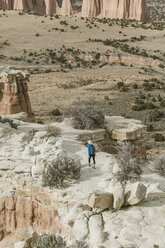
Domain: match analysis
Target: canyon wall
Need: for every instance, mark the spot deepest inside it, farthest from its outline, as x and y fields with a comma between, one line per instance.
x=42, y=7
x=91, y=8
x=122, y=9
x=14, y=96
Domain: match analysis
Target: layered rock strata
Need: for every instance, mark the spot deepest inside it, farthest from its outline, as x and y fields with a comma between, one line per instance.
x=42, y=7
x=122, y=9
x=14, y=97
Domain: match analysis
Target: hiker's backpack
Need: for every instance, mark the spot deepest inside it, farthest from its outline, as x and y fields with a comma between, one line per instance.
x=92, y=149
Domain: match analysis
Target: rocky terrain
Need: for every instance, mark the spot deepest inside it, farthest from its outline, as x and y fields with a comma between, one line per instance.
x=69, y=212
x=52, y=65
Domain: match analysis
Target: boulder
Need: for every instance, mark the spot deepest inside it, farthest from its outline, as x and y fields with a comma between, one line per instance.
x=118, y=196
x=135, y=193
x=80, y=228
x=21, y=244
x=100, y=200
x=96, y=230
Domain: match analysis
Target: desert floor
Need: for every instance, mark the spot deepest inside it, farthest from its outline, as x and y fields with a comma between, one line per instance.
x=67, y=57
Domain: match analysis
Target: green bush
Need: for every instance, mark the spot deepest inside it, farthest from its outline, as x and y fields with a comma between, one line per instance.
x=162, y=103
x=135, y=86
x=150, y=128
x=139, y=107
x=56, y=112
x=120, y=84
x=154, y=115
x=158, y=137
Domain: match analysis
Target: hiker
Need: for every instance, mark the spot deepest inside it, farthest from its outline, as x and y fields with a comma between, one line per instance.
x=91, y=154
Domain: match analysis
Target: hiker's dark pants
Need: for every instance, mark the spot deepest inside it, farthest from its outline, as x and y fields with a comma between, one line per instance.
x=91, y=156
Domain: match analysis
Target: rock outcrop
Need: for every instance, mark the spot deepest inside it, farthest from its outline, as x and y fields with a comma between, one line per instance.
x=42, y=7
x=122, y=9
x=14, y=96
x=91, y=8
x=66, y=9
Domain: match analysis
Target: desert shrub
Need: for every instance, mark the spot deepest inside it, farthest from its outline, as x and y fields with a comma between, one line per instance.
x=120, y=84
x=52, y=131
x=53, y=241
x=135, y=86
x=50, y=241
x=159, y=98
x=7, y=120
x=129, y=165
x=86, y=114
x=159, y=165
x=150, y=128
x=59, y=170
x=139, y=107
x=56, y=112
x=154, y=115
x=29, y=136
x=158, y=137
x=162, y=103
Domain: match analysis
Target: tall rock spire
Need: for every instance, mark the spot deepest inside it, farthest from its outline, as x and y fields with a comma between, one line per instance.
x=66, y=8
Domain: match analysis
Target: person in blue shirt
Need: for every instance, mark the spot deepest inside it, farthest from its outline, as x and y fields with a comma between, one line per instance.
x=91, y=154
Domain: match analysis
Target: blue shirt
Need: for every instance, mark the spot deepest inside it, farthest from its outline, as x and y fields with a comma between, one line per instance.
x=91, y=149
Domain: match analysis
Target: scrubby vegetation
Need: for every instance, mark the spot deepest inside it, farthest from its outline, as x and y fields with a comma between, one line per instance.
x=159, y=165
x=52, y=131
x=60, y=170
x=129, y=165
x=53, y=241
x=86, y=114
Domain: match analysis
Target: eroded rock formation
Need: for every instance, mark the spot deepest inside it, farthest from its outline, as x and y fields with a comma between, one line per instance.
x=14, y=96
x=66, y=9
x=16, y=214
x=122, y=9
x=91, y=8
x=42, y=7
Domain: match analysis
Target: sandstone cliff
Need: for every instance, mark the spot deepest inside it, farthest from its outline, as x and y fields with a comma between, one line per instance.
x=66, y=9
x=122, y=9
x=14, y=96
x=42, y=7
x=91, y=8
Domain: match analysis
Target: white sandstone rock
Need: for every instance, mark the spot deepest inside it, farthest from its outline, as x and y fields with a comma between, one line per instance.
x=135, y=193
x=20, y=244
x=118, y=196
x=80, y=228
x=100, y=200
x=96, y=230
